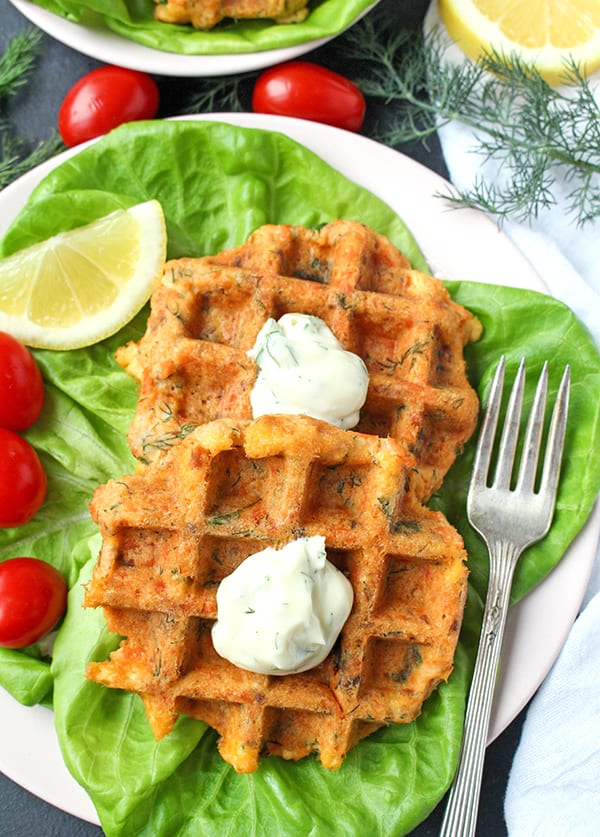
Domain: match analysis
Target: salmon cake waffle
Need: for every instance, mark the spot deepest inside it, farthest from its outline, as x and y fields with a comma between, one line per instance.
x=173, y=531
x=193, y=367
x=205, y=14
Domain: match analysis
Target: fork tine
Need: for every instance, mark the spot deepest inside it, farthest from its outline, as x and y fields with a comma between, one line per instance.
x=510, y=431
x=533, y=435
x=556, y=438
x=508, y=521
x=485, y=443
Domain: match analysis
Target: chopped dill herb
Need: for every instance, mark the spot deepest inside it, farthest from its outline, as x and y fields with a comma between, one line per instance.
x=406, y=526
x=386, y=508
x=166, y=440
x=397, y=525
x=417, y=348
x=413, y=659
x=228, y=517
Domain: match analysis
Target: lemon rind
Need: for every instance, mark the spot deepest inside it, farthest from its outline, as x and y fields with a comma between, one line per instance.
x=131, y=298
x=476, y=35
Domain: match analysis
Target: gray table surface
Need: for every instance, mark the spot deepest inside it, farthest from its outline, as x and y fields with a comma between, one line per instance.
x=32, y=113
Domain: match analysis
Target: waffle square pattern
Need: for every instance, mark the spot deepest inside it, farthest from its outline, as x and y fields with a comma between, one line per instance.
x=193, y=366
x=215, y=485
x=174, y=530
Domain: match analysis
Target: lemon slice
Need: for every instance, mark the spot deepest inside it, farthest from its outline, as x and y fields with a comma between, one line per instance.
x=541, y=32
x=81, y=286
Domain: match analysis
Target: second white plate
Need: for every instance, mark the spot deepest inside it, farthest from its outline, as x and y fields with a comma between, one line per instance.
x=107, y=46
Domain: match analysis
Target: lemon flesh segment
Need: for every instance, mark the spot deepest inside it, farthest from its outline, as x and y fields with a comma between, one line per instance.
x=544, y=33
x=83, y=285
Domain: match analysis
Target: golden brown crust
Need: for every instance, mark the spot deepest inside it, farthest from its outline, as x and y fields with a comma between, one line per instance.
x=215, y=486
x=205, y=14
x=172, y=531
x=192, y=361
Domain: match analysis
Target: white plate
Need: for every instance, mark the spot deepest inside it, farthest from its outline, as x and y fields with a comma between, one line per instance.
x=110, y=47
x=457, y=244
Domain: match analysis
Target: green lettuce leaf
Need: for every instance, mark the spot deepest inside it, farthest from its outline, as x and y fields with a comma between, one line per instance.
x=134, y=20
x=181, y=786
x=216, y=184
x=26, y=676
x=94, y=721
x=518, y=324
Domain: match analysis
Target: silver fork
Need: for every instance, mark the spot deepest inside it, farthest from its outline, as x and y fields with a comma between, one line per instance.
x=509, y=520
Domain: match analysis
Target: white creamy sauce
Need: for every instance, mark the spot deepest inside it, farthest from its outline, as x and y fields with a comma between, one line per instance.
x=303, y=368
x=281, y=610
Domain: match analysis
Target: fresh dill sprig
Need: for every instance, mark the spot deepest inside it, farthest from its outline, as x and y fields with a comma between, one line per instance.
x=16, y=65
x=215, y=95
x=536, y=132
x=15, y=160
x=18, y=61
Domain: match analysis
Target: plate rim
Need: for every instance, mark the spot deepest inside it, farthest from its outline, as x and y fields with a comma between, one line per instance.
x=518, y=679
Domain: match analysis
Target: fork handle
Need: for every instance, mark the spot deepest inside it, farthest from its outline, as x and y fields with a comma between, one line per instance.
x=460, y=818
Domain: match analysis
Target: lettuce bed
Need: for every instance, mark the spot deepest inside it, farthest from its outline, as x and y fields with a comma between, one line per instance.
x=133, y=19
x=217, y=183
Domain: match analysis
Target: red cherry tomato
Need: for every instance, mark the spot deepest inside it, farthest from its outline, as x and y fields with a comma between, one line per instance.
x=22, y=479
x=103, y=99
x=33, y=597
x=309, y=91
x=21, y=385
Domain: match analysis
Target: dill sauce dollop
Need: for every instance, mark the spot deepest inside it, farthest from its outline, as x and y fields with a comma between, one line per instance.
x=281, y=610
x=304, y=369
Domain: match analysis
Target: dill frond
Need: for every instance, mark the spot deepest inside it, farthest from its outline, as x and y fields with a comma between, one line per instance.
x=219, y=95
x=16, y=66
x=18, y=61
x=15, y=160
x=534, y=133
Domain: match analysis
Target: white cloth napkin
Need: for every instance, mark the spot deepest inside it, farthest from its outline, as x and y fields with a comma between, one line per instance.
x=566, y=257
x=554, y=785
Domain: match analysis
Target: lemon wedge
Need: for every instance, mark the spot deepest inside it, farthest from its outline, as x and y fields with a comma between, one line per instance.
x=540, y=32
x=81, y=286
